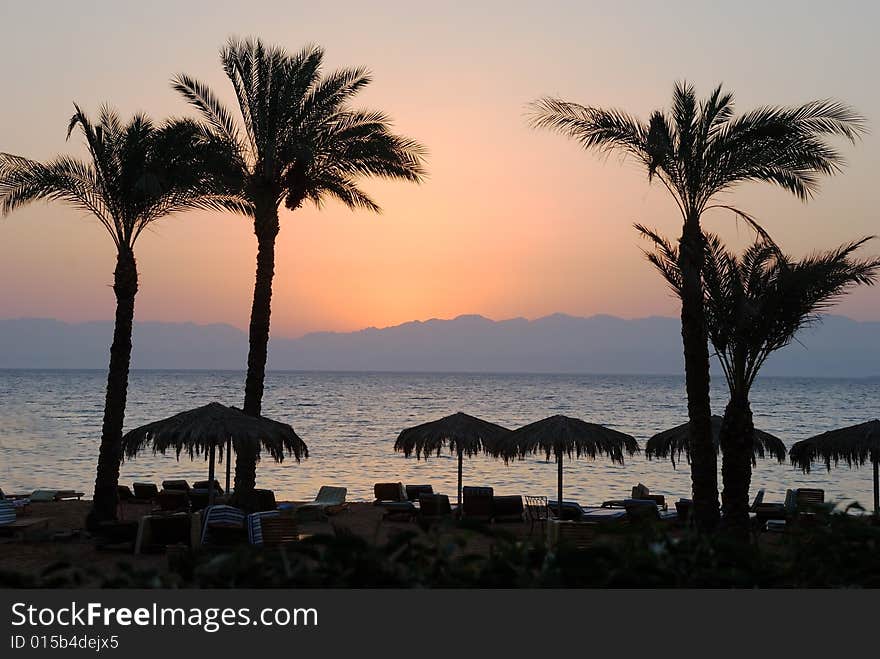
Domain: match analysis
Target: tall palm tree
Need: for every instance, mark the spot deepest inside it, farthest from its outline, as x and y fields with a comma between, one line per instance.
x=137, y=172
x=296, y=140
x=755, y=304
x=698, y=151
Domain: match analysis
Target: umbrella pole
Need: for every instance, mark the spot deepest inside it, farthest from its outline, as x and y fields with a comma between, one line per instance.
x=876, y=487
x=559, y=484
x=211, y=477
x=459, y=481
x=228, y=461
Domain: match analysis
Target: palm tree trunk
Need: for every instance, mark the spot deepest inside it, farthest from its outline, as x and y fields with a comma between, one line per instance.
x=266, y=229
x=105, y=499
x=737, y=432
x=704, y=468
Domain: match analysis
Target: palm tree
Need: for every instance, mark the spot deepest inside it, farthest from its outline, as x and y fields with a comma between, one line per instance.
x=136, y=173
x=297, y=140
x=698, y=151
x=755, y=304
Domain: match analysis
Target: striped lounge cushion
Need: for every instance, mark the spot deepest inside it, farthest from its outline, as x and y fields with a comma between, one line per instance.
x=7, y=512
x=255, y=526
x=221, y=515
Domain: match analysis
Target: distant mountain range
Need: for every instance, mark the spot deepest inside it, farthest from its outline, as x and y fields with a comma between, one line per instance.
x=838, y=347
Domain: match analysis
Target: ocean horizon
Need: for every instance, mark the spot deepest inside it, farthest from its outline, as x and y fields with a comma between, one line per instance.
x=50, y=421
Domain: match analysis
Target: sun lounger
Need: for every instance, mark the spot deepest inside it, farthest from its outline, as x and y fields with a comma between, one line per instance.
x=602, y=515
x=223, y=525
x=171, y=501
x=254, y=524
x=206, y=485
x=329, y=501
x=507, y=508
x=158, y=532
x=20, y=502
x=264, y=500
x=574, y=512
x=808, y=499
x=476, y=503
x=571, y=510
x=413, y=492
x=178, y=485
x=392, y=497
x=12, y=524
x=7, y=512
x=389, y=493
x=200, y=495
x=145, y=492
x=46, y=496
x=434, y=507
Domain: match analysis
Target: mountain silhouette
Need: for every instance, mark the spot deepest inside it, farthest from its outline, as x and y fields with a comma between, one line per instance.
x=559, y=343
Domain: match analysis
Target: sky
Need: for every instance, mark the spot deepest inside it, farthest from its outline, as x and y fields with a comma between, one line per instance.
x=510, y=221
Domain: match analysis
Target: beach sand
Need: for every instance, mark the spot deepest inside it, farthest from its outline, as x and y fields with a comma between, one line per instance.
x=62, y=545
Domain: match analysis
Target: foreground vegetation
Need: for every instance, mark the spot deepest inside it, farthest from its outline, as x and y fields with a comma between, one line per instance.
x=832, y=550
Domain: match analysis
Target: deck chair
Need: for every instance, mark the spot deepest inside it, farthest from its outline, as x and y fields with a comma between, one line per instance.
x=7, y=512
x=537, y=512
x=389, y=493
x=809, y=498
x=176, y=485
x=223, y=525
x=145, y=492
x=507, y=508
x=641, y=510
x=476, y=503
x=254, y=525
x=329, y=500
x=413, y=492
x=43, y=496
x=434, y=507
x=206, y=485
x=570, y=511
x=173, y=501
x=765, y=511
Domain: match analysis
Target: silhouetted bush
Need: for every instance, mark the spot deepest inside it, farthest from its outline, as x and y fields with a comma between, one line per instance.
x=831, y=551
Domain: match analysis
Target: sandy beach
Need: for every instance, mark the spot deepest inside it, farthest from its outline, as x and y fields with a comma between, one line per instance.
x=64, y=544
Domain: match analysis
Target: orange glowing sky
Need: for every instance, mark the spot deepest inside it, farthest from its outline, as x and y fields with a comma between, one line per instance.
x=511, y=222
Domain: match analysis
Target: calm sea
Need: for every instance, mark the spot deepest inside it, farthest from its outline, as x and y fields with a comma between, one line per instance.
x=50, y=428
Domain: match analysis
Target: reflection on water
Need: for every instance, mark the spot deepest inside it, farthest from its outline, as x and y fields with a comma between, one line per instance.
x=50, y=428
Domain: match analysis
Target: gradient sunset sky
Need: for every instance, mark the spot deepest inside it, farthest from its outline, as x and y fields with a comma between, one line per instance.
x=511, y=222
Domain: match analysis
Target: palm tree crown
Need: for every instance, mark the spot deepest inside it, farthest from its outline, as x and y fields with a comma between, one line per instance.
x=700, y=149
x=756, y=303
x=298, y=139
x=137, y=172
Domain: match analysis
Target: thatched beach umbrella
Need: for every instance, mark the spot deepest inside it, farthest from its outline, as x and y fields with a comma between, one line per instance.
x=462, y=433
x=206, y=429
x=854, y=445
x=675, y=441
x=560, y=436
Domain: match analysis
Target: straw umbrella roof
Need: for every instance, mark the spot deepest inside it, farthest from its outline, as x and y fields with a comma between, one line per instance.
x=461, y=432
x=675, y=441
x=196, y=431
x=853, y=445
x=558, y=435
